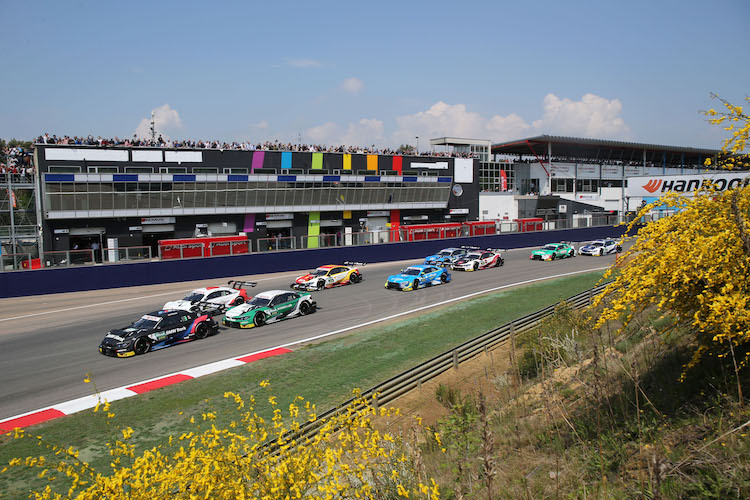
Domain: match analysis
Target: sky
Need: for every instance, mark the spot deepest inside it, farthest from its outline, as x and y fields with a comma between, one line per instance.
x=364, y=73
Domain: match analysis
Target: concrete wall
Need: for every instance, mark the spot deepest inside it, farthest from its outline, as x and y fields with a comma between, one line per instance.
x=38, y=282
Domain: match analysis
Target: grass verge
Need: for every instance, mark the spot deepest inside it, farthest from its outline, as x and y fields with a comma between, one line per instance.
x=324, y=373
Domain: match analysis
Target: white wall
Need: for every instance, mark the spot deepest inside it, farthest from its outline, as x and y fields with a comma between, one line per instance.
x=497, y=206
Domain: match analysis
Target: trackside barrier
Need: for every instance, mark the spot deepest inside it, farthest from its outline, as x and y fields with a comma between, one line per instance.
x=400, y=384
x=126, y=254
x=273, y=244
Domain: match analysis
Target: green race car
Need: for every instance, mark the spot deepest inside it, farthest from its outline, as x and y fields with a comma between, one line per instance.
x=269, y=307
x=552, y=251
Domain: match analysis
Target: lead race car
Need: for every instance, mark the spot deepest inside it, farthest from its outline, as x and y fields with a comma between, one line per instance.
x=552, y=251
x=232, y=295
x=415, y=277
x=477, y=259
x=329, y=276
x=161, y=329
x=445, y=257
x=601, y=247
x=269, y=307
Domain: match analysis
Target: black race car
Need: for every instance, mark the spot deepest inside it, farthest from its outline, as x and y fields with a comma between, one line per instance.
x=161, y=329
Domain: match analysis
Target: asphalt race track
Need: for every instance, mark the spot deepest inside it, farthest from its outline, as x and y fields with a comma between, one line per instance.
x=48, y=343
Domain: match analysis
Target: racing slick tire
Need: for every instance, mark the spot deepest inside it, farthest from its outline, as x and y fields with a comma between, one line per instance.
x=443, y=278
x=476, y=266
x=304, y=308
x=553, y=257
x=499, y=262
x=320, y=285
x=415, y=285
x=259, y=319
x=141, y=346
x=237, y=301
x=618, y=249
x=355, y=278
x=572, y=253
x=201, y=331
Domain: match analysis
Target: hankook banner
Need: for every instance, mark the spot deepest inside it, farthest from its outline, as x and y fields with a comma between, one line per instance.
x=688, y=184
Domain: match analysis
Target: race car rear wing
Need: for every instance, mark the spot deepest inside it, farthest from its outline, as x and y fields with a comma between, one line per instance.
x=496, y=250
x=467, y=247
x=241, y=284
x=209, y=308
x=351, y=263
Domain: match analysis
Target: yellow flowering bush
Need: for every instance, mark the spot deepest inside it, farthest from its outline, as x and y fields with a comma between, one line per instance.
x=696, y=263
x=292, y=455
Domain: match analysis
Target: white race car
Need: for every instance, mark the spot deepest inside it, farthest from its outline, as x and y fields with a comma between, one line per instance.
x=479, y=259
x=601, y=247
x=232, y=295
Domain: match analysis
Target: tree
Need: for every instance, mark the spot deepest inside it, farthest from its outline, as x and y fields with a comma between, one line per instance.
x=695, y=264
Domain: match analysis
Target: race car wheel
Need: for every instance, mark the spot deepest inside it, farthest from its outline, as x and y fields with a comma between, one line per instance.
x=355, y=278
x=238, y=301
x=476, y=266
x=321, y=284
x=201, y=331
x=619, y=248
x=304, y=308
x=415, y=285
x=572, y=253
x=553, y=257
x=500, y=262
x=141, y=346
x=259, y=319
x=443, y=278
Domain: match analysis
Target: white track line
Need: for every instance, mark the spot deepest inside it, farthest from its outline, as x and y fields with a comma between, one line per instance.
x=86, y=402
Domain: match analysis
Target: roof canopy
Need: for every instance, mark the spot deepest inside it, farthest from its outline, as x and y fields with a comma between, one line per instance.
x=602, y=150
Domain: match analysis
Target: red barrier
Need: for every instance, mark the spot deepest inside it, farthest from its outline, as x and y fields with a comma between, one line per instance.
x=203, y=247
x=530, y=224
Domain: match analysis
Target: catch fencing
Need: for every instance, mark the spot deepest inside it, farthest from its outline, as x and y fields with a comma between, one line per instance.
x=411, y=379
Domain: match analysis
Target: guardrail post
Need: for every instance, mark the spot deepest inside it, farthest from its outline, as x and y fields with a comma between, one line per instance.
x=67, y=258
x=375, y=401
x=455, y=360
x=591, y=295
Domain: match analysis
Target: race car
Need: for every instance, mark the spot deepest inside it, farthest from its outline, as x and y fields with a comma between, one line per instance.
x=415, y=277
x=269, y=307
x=232, y=295
x=160, y=329
x=600, y=247
x=445, y=257
x=329, y=276
x=479, y=259
x=552, y=251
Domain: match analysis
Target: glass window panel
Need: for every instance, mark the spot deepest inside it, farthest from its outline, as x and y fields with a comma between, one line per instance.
x=120, y=202
x=107, y=201
x=68, y=203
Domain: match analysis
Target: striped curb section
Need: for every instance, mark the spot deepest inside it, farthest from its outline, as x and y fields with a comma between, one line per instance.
x=88, y=402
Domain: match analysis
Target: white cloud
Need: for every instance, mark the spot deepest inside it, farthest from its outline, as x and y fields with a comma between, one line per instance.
x=454, y=120
x=592, y=116
x=263, y=124
x=322, y=134
x=304, y=63
x=166, y=119
x=352, y=85
x=363, y=133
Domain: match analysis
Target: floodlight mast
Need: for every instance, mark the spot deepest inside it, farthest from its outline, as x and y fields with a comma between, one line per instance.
x=153, y=128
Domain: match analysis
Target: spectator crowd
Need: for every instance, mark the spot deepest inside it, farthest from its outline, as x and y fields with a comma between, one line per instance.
x=161, y=142
x=17, y=161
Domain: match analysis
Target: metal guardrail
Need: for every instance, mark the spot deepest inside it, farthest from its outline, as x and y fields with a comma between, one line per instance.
x=398, y=385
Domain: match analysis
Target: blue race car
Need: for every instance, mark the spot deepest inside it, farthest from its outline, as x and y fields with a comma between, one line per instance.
x=414, y=277
x=445, y=257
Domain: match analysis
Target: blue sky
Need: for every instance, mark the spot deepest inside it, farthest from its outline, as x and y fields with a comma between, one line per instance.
x=373, y=73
